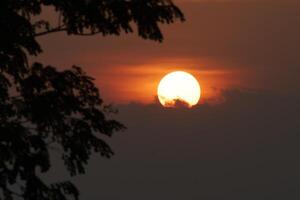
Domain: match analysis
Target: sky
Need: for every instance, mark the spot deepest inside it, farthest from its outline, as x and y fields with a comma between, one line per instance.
x=246, y=44
x=245, y=148
x=240, y=142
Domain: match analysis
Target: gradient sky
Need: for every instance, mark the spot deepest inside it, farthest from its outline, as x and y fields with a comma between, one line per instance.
x=249, y=44
x=243, y=52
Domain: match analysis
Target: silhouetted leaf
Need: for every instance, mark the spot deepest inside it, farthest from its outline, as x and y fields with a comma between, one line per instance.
x=41, y=106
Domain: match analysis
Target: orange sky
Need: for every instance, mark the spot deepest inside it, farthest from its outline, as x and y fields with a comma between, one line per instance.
x=224, y=44
x=139, y=82
x=246, y=147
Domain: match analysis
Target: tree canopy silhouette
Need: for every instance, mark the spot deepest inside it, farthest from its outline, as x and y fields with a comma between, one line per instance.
x=42, y=107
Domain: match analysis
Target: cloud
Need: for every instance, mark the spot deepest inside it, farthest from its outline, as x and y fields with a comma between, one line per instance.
x=244, y=148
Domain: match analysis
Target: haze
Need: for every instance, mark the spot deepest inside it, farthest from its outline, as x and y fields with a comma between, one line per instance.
x=241, y=142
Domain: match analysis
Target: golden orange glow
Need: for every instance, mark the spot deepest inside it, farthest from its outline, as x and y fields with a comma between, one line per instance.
x=138, y=83
x=178, y=87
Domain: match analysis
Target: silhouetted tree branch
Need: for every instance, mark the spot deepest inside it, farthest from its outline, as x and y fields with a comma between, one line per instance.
x=53, y=30
x=56, y=30
x=41, y=106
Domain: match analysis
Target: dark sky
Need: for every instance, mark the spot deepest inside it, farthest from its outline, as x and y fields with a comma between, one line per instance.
x=245, y=53
x=245, y=148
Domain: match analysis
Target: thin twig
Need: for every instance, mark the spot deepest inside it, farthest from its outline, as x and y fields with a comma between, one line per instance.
x=60, y=29
x=54, y=30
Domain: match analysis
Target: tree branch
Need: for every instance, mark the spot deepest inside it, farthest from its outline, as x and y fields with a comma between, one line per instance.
x=61, y=29
x=54, y=30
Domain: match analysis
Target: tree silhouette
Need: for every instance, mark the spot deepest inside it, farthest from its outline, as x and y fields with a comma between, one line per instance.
x=41, y=107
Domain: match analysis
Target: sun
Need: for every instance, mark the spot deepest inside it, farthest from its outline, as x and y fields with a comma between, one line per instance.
x=178, y=88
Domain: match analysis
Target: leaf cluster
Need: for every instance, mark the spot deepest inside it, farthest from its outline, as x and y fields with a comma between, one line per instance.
x=42, y=108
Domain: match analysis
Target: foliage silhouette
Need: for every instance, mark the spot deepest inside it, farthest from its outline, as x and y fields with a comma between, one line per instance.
x=41, y=107
x=178, y=103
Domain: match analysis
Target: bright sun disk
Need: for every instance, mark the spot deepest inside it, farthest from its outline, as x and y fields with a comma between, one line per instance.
x=178, y=87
